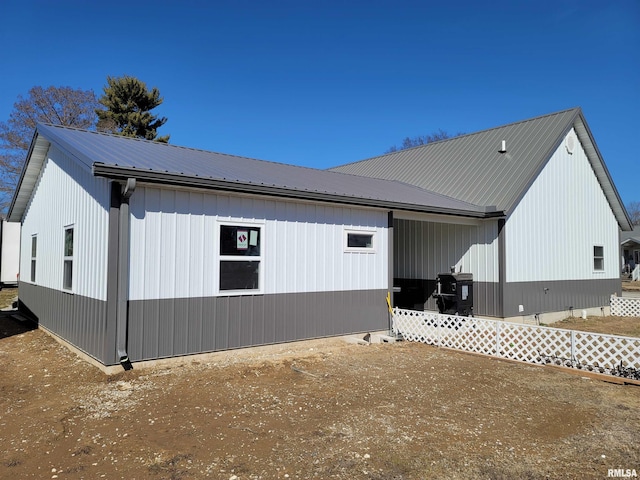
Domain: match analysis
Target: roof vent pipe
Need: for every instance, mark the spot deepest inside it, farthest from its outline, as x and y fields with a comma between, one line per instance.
x=503, y=147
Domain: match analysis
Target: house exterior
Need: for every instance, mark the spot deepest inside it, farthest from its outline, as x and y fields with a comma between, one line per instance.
x=555, y=249
x=135, y=250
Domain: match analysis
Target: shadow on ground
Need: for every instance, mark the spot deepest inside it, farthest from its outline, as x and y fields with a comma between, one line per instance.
x=10, y=325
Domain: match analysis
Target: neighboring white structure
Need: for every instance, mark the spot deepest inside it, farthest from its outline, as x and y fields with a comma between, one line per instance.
x=9, y=254
x=135, y=250
x=630, y=249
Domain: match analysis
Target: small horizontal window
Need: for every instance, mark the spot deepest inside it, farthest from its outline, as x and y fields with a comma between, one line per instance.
x=239, y=275
x=239, y=241
x=356, y=241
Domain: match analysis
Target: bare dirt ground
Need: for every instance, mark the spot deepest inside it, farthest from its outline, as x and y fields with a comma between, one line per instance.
x=318, y=409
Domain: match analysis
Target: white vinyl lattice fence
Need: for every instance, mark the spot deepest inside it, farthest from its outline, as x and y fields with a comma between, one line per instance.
x=610, y=354
x=625, y=307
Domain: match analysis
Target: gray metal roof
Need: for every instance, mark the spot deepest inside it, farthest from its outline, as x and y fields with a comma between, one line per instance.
x=629, y=238
x=471, y=168
x=120, y=157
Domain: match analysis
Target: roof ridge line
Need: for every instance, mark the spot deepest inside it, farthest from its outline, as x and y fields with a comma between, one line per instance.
x=577, y=109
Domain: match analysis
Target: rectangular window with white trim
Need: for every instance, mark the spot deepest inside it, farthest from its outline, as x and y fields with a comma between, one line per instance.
x=67, y=281
x=598, y=258
x=34, y=256
x=359, y=241
x=240, y=259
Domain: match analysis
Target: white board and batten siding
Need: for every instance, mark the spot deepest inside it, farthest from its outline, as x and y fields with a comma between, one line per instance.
x=175, y=250
x=67, y=194
x=552, y=232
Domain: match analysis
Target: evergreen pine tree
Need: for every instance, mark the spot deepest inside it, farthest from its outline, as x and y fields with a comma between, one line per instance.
x=128, y=105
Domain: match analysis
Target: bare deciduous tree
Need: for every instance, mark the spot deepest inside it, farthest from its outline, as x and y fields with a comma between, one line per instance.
x=410, y=142
x=56, y=105
x=633, y=208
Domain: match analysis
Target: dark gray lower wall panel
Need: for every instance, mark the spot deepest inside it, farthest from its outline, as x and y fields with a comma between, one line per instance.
x=558, y=296
x=173, y=327
x=79, y=320
x=486, y=296
x=416, y=294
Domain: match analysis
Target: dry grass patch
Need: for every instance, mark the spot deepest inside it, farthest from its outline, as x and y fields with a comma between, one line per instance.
x=629, y=286
x=625, y=326
x=7, y=296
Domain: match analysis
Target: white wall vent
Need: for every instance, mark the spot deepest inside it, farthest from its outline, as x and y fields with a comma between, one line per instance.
x=570, y=142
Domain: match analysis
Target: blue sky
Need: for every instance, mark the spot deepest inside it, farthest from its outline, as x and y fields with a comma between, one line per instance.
x=322, y=83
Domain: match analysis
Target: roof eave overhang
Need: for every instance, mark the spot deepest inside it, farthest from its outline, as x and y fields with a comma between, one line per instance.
x=118, y=173
x=602, y=173
x=28, y=177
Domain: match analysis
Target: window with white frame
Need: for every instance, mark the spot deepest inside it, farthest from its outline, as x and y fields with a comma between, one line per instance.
x=240, y=258
x=598, y=258
x=359, y=241
x=34, y=255
x=67, y=281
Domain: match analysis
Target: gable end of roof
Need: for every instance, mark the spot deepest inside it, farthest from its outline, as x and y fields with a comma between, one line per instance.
x=474, y=168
